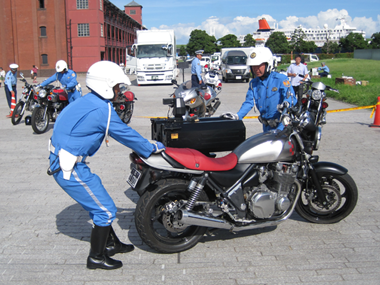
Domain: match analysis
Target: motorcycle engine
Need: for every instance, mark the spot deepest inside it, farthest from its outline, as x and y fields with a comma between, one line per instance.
x=273, y=195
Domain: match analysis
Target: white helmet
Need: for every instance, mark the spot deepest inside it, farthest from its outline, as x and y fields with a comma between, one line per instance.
x=61, y=65
x=102, y=76
x=259, y=55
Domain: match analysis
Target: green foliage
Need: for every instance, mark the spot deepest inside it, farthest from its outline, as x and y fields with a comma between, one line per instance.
x=375, y=41
x=200, y=40
x=353, y=41
x=326, y=56
x=297, y=40
x=229, y=41
x=182, y=51
x=307, y=46
x=249, y=41
x=278, y=43
x=345, y=55
x=330, y=47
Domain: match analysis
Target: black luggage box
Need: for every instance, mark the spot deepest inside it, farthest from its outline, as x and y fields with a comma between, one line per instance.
x=205, y=135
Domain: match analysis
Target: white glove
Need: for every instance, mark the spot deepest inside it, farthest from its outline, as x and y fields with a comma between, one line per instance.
x=230, y=115
x=158, y=147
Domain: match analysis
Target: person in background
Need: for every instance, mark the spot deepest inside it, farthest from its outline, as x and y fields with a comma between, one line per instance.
x=35, y=70
x=10, y=85
x=79, y=132
x=196, y=69
x=2, y=76
x=68, y=79
x=267, y=90
x=294, y=70
x=325, y=70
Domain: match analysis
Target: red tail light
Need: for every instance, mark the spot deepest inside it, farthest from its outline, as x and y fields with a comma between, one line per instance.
x=35, y=97
x=49, y=98
x=206, y=66
x=122, y=107
x=304, y=101
x=207, y=96
x=220, y=84
x=134, y=158
x=129, y=96
x=324, y=105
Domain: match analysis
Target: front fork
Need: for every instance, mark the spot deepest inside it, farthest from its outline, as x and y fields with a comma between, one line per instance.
x=314, y=178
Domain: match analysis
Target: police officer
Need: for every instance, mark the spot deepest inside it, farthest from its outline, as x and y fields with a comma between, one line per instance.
x=68, y=80
x=10, y=85
x=78, y=133
x=196, y=69
x=266, y=90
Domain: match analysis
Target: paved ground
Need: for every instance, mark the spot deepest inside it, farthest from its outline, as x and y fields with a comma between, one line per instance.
x=44, y=234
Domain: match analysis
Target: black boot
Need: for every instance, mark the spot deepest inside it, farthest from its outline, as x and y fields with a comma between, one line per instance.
x=114, y=245
x=98, y=257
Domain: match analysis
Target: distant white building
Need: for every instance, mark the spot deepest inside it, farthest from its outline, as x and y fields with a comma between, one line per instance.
x=319, y=36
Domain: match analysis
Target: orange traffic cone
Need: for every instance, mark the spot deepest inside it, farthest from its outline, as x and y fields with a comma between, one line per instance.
x=13, y=105
x=376, y=122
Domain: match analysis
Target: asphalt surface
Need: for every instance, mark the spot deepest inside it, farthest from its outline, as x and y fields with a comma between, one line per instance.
x=44, y=234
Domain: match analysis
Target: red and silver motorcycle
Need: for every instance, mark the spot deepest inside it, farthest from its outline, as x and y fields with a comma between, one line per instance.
x=124, y=104
x=259, y=184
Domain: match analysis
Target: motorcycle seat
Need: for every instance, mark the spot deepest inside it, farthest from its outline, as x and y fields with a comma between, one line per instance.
x=193, y=159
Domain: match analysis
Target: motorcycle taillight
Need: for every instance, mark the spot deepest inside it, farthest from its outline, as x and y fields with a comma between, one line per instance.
x=220, y=84
x=304, y=101
x=122, y=107
x=49, y=98
x=134, y=158
x=324, y=105
x=207, y=96
x=35, y=97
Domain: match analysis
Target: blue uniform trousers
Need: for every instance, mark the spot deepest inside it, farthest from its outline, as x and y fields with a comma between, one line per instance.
x=9, y=95
x=87, y=189
x=71, y=96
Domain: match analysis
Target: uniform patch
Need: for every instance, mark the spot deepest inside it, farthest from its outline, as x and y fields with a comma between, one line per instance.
x=274, y=89
x=253, y=55
x=73, y=75
x=286, y=83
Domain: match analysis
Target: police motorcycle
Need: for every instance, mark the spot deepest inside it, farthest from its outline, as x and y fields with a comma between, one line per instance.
x=26, y=102
x=124, y=104
x=211, y=79
x=198, y=101
x=51, y=101
x=259, y=184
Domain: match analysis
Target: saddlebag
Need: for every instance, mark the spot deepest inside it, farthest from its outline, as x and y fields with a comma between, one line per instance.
x=205, y=135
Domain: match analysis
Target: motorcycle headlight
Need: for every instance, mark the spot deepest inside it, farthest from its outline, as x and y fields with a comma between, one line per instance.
x=316, y=95
x=42, y=93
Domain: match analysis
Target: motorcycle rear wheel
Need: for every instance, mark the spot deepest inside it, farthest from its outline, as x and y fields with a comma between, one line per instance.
x=341, y=194
x=39, y=124
x=18, y=113
x=155, y=227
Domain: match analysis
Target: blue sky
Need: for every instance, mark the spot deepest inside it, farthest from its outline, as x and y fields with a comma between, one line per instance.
x=221, y=17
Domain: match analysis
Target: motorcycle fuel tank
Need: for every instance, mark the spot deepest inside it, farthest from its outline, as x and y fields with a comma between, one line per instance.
x=265, y=147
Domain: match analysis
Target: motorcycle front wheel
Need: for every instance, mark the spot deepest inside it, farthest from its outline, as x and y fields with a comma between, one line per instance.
x=128, y=113
x=156, y=228
x=18, y=112
x=341, y=194
x=39, y=123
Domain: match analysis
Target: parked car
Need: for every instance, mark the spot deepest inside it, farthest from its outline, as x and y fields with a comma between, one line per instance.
x=234, y=66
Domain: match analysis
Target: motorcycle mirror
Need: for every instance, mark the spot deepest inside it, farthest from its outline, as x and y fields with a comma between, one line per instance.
x=21, y=74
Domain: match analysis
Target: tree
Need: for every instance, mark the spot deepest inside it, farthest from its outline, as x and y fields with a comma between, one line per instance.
x=297, y=38
x=200, y=40
x=249, y=41
x=229, y=41
x=330, y=47
x=307, y=46
x=182, y=51
x=375, y=40
x=353, y=41
x=278, y=43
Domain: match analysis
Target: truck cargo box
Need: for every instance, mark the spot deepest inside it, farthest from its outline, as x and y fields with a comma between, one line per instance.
x=205, y=135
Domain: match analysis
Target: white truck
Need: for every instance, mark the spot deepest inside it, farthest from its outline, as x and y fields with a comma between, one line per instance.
x=155, y=52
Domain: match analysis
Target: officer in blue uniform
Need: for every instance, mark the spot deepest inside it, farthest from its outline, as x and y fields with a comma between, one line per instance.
x=267, y=90
x=78, y=132
x=196, y=69
x=10, y=85
x=68, y=80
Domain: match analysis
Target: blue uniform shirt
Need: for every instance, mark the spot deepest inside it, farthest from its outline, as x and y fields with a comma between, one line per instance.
x=68, y=80
x=10, y=79
x=81, y=126
x=266, y=95
x=324, y=68
x=196, y=68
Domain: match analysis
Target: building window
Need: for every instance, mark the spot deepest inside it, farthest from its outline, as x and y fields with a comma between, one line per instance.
x=83, y=30
x=43, y=31
x=82, y=4
x=44, y=58
x=42, y=4
x=101, y=5
x=133, y=12
x=101, y=30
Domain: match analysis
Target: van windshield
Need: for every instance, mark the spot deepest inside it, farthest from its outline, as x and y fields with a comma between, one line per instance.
x=145, y=51
x=231, y=60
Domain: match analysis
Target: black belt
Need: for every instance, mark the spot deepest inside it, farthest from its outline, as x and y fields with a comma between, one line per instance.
x=271, y=122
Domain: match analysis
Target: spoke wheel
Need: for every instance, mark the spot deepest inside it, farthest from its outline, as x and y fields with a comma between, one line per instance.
x=341, y=194
x=159, y=230
x=39, y=124
x=18, y=112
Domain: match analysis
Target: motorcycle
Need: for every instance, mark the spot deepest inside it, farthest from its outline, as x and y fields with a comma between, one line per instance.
x=26, y=102
x=259, y=184
x=124, y=104
x=198, y=101
x=51, y=101
x=211, y=79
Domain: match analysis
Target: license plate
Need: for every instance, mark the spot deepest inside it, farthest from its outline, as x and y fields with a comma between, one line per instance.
x=155, y=77
x=238, y=77
x=134, y=177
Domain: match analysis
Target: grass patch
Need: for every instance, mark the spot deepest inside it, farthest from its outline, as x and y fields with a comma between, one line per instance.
x=360, y=69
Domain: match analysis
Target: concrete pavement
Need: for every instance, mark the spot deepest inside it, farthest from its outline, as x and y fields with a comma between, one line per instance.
x=44, y=234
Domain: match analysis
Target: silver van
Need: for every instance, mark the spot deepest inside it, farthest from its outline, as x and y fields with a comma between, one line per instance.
x=234, y=66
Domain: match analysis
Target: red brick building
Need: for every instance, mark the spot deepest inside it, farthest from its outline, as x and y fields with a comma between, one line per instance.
x=81, y=32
